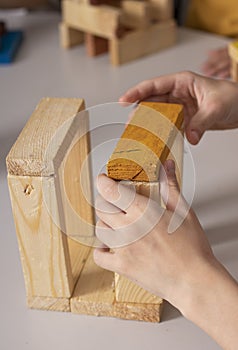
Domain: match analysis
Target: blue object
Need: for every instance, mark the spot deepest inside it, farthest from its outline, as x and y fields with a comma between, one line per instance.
x=10, y=42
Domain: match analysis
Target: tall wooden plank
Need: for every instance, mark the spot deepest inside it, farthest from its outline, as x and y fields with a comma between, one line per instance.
x=44, y=167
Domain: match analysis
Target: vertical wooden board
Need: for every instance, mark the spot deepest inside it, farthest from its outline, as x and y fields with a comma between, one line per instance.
x=73, y=182
x=95, y=45
x=138, y=43
x=94, y=292
x=69, y=37
x=43, y=248
x=51, y=261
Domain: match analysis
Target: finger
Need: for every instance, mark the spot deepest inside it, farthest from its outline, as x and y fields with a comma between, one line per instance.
x=104, y=233
x=199, y=123
x=169, y=188
x=100, y=245
x=106, y=260
x=109, y=214
x=168, y=185
x=101, y=205
x=115, y=192
x=149, y=88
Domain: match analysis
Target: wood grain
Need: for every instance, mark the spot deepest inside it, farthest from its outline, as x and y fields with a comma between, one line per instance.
x=28, y=156
x=52, y=148
x=146, y=142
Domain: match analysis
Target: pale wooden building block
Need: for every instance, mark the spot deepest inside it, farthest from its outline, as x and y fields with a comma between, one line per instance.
x=161, y=10
x=103, y=21
x=138, y=43
x=43, y=164
x=136, y=14
x=70, y=37
x=233, y=53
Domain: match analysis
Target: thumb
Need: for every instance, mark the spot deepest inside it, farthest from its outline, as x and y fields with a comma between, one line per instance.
x=197, y=125
x=169, y=187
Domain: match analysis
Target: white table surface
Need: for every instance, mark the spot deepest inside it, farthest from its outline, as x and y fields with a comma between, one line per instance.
x=41, y=69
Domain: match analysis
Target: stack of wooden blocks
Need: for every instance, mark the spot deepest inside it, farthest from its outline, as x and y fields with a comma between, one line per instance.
x=233, y=52
x=45, y=180
x=128, y=29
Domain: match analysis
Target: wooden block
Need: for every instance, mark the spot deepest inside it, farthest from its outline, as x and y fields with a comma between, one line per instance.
x=161, y=10
x=48, y=303
x=95, y=295
x=95, y=45
x=94, y=292
x=139, y=43
x=233, y=53
x=138, y=311
x=29, y=156
x=136, y=14
x=234, y=70
x=44, y=181
x=233, y=50
x=103, y=21
x=145, y=142
x=69, y=37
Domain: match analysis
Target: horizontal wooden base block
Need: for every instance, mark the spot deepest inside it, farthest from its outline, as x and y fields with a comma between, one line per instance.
x=48, y=303
x=94, y=295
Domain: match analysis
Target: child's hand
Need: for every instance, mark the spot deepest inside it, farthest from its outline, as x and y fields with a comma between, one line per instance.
x=165, y=264
x=208, y=103
x=218, y=64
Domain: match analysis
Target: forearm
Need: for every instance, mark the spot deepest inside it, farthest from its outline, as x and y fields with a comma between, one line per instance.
x=213, y=306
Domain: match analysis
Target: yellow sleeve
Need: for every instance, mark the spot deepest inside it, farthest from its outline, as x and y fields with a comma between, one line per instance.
x=216, y=16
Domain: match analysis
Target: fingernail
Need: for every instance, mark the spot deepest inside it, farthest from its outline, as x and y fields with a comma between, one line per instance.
x=195, y=135
x=169, y=166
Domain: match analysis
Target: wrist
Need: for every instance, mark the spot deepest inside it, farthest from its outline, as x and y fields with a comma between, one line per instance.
x=212, y=303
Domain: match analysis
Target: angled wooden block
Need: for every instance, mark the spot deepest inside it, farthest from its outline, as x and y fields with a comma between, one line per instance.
x=45, y=185
x=103, y=21
x=138, y=43
x=145, y=142
x=136, y=14
x=69, y=37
